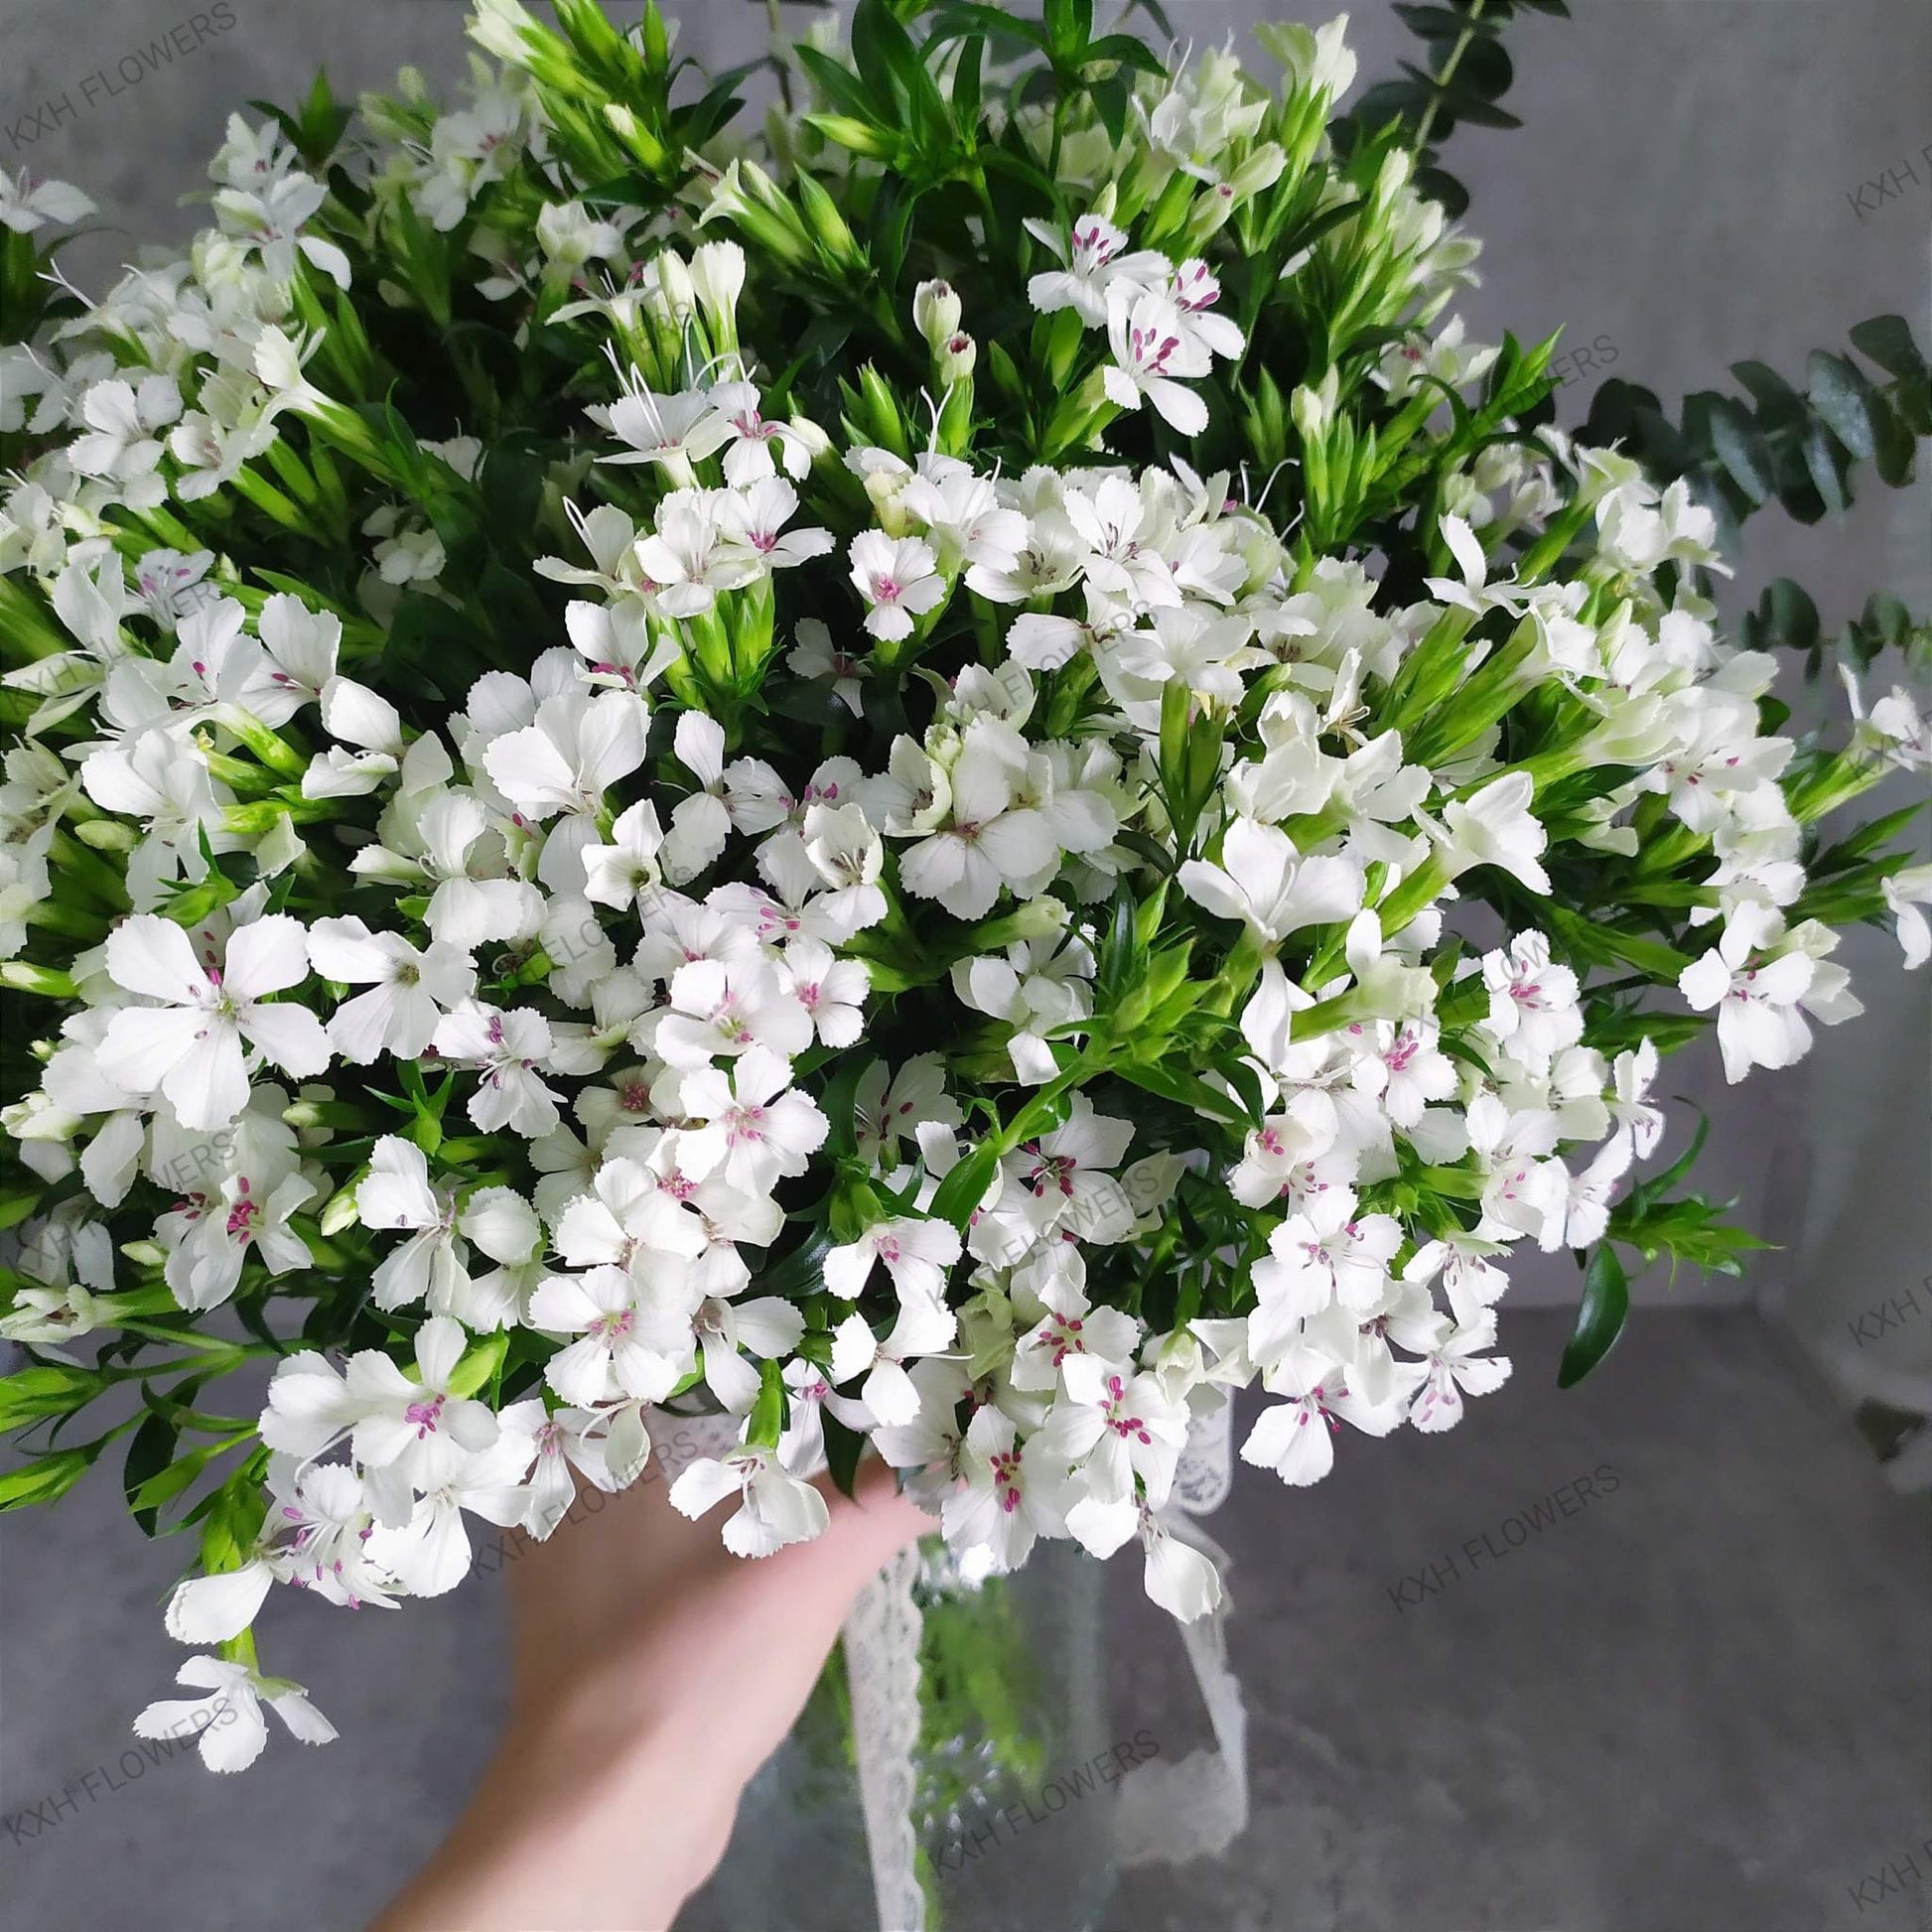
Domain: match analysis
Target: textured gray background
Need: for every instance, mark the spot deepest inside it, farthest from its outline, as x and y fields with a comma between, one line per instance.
x=1708, y=1706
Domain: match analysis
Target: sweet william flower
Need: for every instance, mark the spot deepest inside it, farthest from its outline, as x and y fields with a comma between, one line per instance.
x=635, y=1331
x=1495, y=827
x=228, y=1720
x=417, y=1427
x=411, y=989
x=757, y=1126
x=916, y=1255
x=1757, y=999
x=899, y=579
x=1095, y=261
x=1003, y=1502
x=27, y=204
x=506, y=1048
x=396, y=1193
x=1296, y=1438
x=1265, y=881
x=192, y=1047
x=1152, y=349
x=774, y=1507
x=995, y=839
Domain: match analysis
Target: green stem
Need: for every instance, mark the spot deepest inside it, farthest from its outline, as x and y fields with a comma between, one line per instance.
x=1428, y=122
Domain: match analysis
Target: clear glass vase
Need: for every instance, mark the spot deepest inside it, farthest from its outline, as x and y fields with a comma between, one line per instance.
x=1014, y=1772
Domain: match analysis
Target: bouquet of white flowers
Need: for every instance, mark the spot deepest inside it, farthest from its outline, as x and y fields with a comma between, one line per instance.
x=947, y=782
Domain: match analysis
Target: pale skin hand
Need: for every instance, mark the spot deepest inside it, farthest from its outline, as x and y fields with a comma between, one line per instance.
x=652, y=1672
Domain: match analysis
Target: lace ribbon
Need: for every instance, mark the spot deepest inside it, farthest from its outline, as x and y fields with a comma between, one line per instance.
x=881, y=1664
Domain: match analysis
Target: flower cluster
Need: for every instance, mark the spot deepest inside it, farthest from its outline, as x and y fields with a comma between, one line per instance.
x=582, y=846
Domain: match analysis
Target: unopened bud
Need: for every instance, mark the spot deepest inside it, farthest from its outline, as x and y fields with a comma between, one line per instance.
x=338, y=1213
x=956, y=359
x=935, y=313
x=675, y=283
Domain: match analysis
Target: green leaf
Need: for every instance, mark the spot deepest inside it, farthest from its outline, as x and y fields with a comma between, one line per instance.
x=959, y=1193
x=1821, y=460
x=46, y=1478
x=1887, y=341
x=148, y=1456
x=1600, y=1319
x=1843, y=397
x=30, y=1394
x=1733, y=437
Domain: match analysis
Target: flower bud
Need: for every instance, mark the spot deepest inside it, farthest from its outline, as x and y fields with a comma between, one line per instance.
x=338, y=1212
x=935, y=313
x=956, y=359
x=675, y=284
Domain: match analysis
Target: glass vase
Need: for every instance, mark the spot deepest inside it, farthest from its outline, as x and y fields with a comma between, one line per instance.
x=1014, y=1772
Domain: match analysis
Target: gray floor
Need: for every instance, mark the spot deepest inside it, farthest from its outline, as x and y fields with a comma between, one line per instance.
x=1696, y=1705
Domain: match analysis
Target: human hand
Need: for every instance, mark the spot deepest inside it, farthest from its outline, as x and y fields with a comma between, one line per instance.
x=652, y=1672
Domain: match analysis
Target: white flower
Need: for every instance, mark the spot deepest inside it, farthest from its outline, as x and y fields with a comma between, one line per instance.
x=189, y=1047
x=210, y=1238
x=917, y=1255
x=1195, y=291
x=1457, y=1367
x=1294, y=1437
x=755, y=519
x=915, y=1098
x=25, y=203
x=1264, y=881
x=121, y=444
x=1758, y=1019
x=1003, y=1502
x=1151, y=350
x=155, y=778
x=1495, y=827
x=430, y=1553
x=994, y=840
x=396, y=1193
x=1636, y=1119
x=417, y=1427
x=506, y=1048
x=1326, y=1253
x=748, y=457
x=636, y=1332
x=1067, y=1175
x=691, y=554
x=631, y=1218
x=814, y=655
x=1905, y=893
x=625, y=871
x=412, y=989
x=1178, y=1576
x=1532, y=1007
x=848, y=855
x=1094, y=261
x=923, y=1326
x=229, y=1720
x=755, y=1130
x=774, y=1507
x=1120, y=1433
x=719, y=1010
x=673, y=431
x=577, y=748
x=899, y=579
